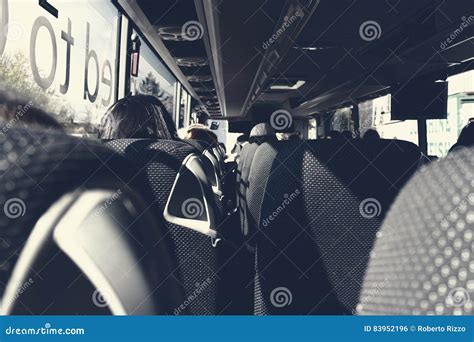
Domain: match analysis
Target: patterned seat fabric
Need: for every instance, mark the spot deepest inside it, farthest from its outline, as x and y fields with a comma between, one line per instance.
x=159, y=162
x=243, y=171
x=422, y=262
x=316, y=207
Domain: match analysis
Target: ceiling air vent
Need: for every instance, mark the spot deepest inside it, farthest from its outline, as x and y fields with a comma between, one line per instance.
x=172, y=33
x=286, y=84
x=190, y=31
x=209, y=98
x=214, y=107
x=199, y=78
x=192, y=62
x=204, y=89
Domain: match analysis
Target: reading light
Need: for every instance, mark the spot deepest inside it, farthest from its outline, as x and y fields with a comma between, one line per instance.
x=296, y=86
x=316, y=48
x=467, y=60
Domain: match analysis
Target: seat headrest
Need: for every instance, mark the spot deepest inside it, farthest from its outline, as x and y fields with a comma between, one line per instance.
x=262, y=130
x=422, y=261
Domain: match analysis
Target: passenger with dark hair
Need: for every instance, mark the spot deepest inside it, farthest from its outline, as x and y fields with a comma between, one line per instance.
x=19, y=113
x=371, y=134
x=466, y=137
x=333, y=135
x=201, y=132
x=223, y=147
x=294, y=137
x=138, y=117
x=242, y=140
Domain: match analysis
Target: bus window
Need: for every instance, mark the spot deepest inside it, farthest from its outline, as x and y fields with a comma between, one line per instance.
x=312, y=129
x=154, y=78
x=183, y=111
x=65, y=65
x=342, y=120
x=442, y=134
x=376, y=114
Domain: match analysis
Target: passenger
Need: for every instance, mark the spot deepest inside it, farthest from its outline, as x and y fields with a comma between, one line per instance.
x=137, y=117
x=182, y=132
x=371, y=134
x=292, y=136
x=333, y=135
x=202, y=133
x=16, y=112
x=223, y=147
x=239, y=144
x=466, y=137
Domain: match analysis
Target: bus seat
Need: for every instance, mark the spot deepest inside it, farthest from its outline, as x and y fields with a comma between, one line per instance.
x=243, y=257
x=318, y=206
x=221, y=159
x=160, y=162
x=244, y=165
x=213, y=169
x=48, y=177
x=199, y=145
x=422, y=262
x=217, y=172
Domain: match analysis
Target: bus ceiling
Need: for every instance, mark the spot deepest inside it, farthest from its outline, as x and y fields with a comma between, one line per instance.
x=310, y=55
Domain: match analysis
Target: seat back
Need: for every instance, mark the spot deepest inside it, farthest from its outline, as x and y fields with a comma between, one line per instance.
x=199, y=145
x=214, y=171
x=86, y=256
x=213, y=168
x=243, y=170
x=422, y=262
x=90, y=225
x=216, y=150
x=317, y=206
x=245, y=163
x=160, y=162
